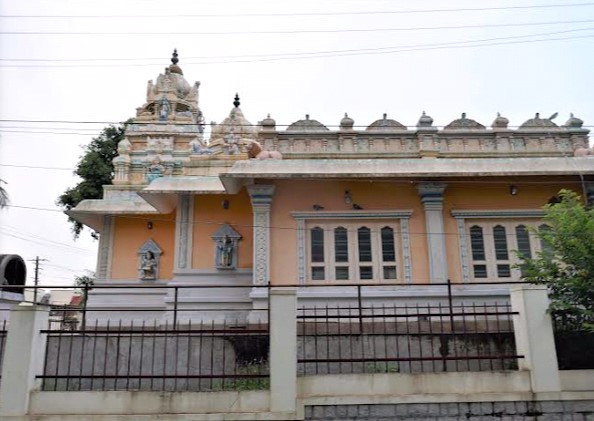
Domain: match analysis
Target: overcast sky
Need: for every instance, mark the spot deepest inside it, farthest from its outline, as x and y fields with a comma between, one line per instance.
x=67, y=63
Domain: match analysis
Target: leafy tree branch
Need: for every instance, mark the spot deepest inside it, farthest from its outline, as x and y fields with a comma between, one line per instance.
x=566, y=263
x=95, y=168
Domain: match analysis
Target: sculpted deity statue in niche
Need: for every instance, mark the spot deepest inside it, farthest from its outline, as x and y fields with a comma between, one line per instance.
x=148, y=266
x=155, y=170
x=165, y=109
x=226, y=252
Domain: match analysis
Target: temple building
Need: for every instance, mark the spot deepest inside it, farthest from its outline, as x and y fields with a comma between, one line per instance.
x=252, y=205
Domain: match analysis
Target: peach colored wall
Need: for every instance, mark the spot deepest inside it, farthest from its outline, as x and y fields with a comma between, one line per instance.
x=130, y=233
x=208, y=217
x=295, y=195
x=488, y=196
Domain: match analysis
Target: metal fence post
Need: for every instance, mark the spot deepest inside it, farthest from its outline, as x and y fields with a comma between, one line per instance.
x=175, y=296
x=360, y=303
x=86, y=298
x=450, y=305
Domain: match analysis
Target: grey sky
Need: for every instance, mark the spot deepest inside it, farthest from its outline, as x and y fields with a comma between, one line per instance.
x=517, y=75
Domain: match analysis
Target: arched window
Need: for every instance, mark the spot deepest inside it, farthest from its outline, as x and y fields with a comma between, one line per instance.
x=341, y=245
x=365, y=253
x=501, y=252
x=388, y=253
x=317, y=254
x=364, y=239
x=477, y=244
x=341, y=254
x=545, y=246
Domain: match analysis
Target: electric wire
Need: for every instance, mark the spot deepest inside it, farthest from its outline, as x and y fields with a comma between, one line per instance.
x=306, y=31
x=97, y=132
x=42, y=241
x=306, y=55
x=292, y=14
x=158, y=219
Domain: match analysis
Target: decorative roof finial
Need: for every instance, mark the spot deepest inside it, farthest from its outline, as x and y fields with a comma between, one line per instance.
x=385, y=116
x=236, y=102
x=174, y=58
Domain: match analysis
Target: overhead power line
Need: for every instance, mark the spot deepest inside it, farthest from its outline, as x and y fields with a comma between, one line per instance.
x=157, y=218
x=33, y=129
x=334, y=13
x=303, y=56
x=36, y=239
x=188, y=60
x=37, y=168
x=304, y=31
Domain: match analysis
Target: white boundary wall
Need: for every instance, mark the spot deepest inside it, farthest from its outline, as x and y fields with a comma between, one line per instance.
x=537, y=380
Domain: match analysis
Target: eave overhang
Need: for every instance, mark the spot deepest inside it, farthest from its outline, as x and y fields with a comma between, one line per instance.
x=91, y=212
x=244, y=172
x=163, y=192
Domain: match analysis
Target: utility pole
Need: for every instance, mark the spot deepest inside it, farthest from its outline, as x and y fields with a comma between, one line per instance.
x=36, y=279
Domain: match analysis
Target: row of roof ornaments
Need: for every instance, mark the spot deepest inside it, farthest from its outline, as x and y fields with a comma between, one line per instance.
x=172, y=108
x=173, y=99
x=425, y=121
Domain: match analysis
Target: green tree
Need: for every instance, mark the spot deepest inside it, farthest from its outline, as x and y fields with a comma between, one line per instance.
x=95, y=168
x=87, y=280
x=566, y=263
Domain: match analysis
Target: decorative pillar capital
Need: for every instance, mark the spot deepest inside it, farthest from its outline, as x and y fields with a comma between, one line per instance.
x=431, y=192
x=261, y=194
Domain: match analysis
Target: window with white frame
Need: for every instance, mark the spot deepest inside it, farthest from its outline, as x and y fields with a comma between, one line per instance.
x=352, y=251
x=494, y=245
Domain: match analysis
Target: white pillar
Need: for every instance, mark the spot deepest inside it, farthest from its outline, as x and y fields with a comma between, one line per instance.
x=184, y=231
x=283, y=349
x=23, y=358
x=261, y=197
x=533, y=330
x=432, y=198
x=103, y=271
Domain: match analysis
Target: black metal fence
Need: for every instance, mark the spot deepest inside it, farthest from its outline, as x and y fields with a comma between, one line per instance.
x=197, y=349
x=193, y=357
x=574, y=342
x=406, y=338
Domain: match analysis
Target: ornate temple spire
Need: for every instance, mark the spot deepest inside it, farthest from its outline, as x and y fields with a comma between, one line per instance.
x=173, y=67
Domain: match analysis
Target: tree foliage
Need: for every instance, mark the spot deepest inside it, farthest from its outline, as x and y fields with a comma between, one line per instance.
x=566, y=263
x=85, y=281
x=95, y=168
